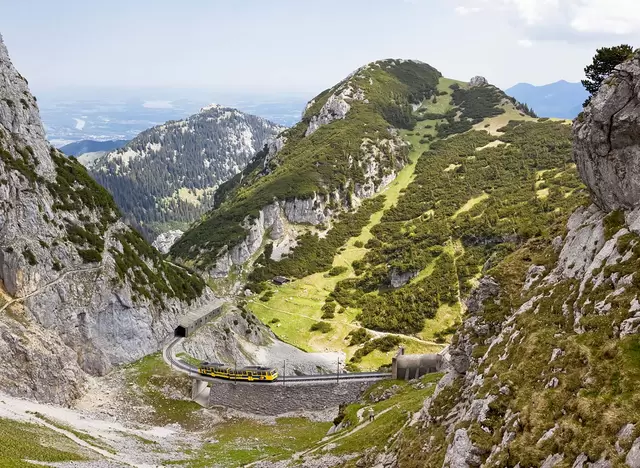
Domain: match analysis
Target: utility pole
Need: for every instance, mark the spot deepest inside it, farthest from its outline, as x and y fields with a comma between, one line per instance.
x=338, y=374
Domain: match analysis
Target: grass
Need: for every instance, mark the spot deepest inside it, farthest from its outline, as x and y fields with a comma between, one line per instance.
x=88, y=438
x=380, y=433
x=471, y=204
x=298, y=304
x=147, y=377
x=241, y=441
x=493, y=124
x=26, y=441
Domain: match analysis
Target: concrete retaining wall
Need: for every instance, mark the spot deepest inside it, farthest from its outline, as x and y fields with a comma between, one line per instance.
x=275, y=398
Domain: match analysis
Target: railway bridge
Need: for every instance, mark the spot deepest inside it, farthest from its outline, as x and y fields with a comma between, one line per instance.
x=288, y=393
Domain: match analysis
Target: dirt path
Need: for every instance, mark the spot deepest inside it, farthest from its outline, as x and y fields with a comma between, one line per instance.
x=49, y=284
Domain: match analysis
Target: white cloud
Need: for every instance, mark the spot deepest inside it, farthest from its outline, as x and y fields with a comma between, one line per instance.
x=525, y=43
x=555, y=19
x=463, y=10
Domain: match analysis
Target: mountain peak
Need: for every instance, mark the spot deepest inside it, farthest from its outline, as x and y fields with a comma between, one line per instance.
x=213, y=106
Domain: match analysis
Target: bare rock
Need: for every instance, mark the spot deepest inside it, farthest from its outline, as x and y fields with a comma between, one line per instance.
x=606, y=144
x=478, y=81
x=633, y=457
x=165, y=240
x=462, y=453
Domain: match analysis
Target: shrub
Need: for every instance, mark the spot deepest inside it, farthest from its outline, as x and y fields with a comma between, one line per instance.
x=328, y=310
x=29, y=256
x=90, y=255
x=267, y=296
x=613, y=222
x=358, y=244
x=358, y=336
x=322, y=327
x=384, y=345
x=337, y=271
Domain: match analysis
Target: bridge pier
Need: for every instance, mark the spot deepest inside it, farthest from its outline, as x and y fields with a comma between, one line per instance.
x=197, y=387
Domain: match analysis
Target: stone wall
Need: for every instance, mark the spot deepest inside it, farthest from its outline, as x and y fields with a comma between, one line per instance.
x=276, y=398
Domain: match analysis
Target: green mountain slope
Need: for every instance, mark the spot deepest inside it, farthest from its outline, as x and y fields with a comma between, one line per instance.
x=340, y=152
x=394, y=266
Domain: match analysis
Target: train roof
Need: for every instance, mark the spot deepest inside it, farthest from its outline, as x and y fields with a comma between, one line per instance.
x=227, y=366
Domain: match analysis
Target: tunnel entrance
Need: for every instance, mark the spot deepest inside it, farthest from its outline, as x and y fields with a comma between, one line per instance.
x=180, y=332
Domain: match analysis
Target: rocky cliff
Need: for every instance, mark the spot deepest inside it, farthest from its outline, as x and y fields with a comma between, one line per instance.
x=81, y=291
x=545, y=368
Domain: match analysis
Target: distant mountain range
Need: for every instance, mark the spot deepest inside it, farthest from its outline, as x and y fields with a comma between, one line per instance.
x=165, y=177
x=71, y=115
x=91, y=146
x=560, y=99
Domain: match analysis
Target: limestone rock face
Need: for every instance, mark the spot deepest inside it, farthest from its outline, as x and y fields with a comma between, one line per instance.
x=68, y=306
x=478, y=81
x=606, y=143
x=165, y=240
x=336, y=108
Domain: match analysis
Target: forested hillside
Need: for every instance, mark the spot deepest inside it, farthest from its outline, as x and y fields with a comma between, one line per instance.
x=165, y=177
x=345, y=149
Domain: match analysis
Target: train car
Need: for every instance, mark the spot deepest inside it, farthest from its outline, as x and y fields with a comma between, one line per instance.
x=249, y=373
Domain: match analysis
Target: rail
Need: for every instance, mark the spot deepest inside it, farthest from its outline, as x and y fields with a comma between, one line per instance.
x=182, y=366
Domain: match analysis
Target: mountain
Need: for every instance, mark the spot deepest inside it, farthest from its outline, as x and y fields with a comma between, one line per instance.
x=346, y=149
x=81, y=291
x=90, y=146
x=166, y=176
x=561, y=99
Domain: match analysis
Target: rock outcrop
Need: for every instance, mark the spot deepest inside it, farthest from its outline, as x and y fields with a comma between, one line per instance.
x=80, y=292
x=478, y=81
x=606, y=144
x=165, y=240
x=552, y=324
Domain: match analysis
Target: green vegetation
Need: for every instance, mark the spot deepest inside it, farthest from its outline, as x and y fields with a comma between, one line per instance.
x=358, y=336
x=29, y=256
x=392, y=414
x=613, y=222
x=487, y=206
x=88, y=438
x=314, y=254
x=238, y=442
x=472, y=106
x=322, y=327
x=164, y=280
x=25, y=164
x=327, y=161
x=384, y=344
x=603, y=64
x=148, y=379
x=25, y=441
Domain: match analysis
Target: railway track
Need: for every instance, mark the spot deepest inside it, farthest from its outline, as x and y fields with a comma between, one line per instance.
x=182, y=366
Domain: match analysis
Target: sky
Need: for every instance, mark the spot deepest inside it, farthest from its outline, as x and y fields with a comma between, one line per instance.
x=304, y=45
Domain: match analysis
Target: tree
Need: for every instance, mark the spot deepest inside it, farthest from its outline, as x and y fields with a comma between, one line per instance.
x=605, y=60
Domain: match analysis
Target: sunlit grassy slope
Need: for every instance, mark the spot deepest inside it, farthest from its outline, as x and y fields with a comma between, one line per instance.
x=297, y=305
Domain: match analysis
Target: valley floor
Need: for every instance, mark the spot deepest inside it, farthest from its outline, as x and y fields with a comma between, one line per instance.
x=139, y=416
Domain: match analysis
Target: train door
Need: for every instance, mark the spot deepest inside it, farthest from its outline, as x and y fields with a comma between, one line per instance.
x=249, y=376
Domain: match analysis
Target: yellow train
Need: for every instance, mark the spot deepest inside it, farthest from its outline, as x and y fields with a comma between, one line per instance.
x=249, y=373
